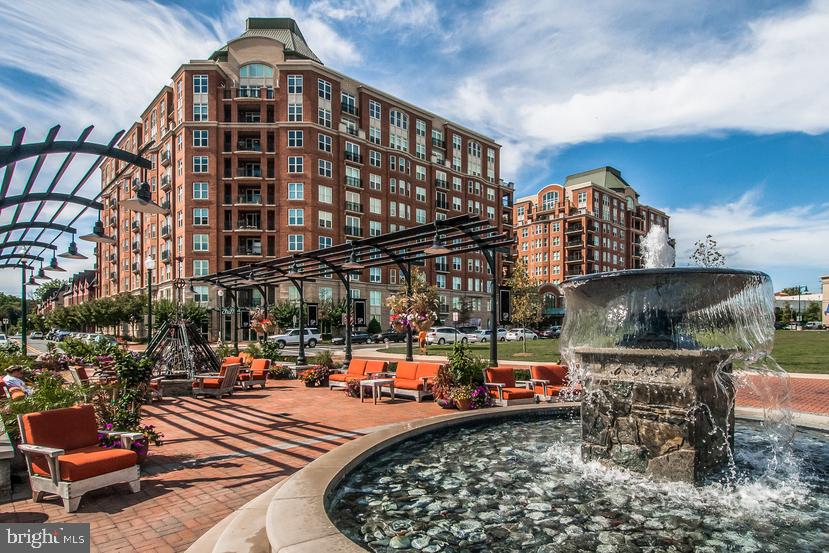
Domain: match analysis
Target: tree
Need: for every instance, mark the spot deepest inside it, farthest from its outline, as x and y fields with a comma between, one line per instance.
x=706, y=253
x=786, y=315
x=812, y=312
x=164, y=309
x=791, y=291
x=374, y=326
x=331, y=313
x=46, y=287
x=464, y=311
x=525, y=302
x=283, y=313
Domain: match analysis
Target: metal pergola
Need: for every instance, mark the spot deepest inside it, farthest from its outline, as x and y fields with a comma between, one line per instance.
x=405, y=249
x=16, y=243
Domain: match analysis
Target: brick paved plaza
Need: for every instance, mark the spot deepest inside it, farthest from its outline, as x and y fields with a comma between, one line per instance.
x=219, y=454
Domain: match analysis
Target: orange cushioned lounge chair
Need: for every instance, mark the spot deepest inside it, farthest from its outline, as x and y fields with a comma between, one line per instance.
x=63, y=456
x=548, y=380
x=256, y=374
x=415, y=379
x=505, y=389
x=216, y=386
x=358, y=369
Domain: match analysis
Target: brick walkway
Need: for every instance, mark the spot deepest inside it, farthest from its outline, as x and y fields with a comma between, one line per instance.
x=219, y=454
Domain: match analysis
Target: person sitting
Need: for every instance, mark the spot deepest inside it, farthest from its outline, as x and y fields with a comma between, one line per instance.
x=14, y=379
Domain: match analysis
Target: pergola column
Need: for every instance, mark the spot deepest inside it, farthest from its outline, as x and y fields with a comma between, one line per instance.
x=300, y=358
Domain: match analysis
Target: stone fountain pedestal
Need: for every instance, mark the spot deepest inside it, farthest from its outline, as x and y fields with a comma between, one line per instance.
x=657, y=411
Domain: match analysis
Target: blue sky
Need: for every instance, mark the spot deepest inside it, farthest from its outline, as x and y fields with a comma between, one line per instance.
x=716, y=112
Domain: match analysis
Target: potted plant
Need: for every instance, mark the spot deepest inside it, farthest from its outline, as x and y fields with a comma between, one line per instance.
x=352, y=387
x=140, y=446
x=481, y=397
x=416, y=310
x=441, y=386
x=462, y=395
x=315, y=376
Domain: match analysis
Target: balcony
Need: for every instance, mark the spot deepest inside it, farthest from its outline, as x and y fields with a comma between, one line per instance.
x=353, y=231
x=245, y=92
x=575, y=243
x=440, y=183
x=353, y=131
x=250, y=250
x=165, y=257
x=136, y=267
x=249, y=199
x=165, y=231
x=353, y=156
x=575, y=258
x=572, y=229
x=165, y=203
x=439, y=143
x=249, y=145
x=249, y=171
x=249, y=225
x=166, y=182
x=113, y=258
x=441, y=204
x=574, y=272
x=442, y=267
x=136, y=226
x=165, y=157
x=354, y=182
x=136, y=246
x=354, y=206
x=350, y=109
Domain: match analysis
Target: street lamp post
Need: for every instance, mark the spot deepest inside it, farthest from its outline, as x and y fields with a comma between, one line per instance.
x=800, y=289
x=149, y=263
x=221, y=294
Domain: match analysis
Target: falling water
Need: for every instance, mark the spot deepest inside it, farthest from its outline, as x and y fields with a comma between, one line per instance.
x=657, y=252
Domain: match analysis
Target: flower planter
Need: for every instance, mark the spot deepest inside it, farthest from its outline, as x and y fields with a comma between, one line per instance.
x=446, y=403
x=142, y=454
x=463, y=404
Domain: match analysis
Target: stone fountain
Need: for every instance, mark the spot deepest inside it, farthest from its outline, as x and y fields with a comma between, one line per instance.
x=654, y=349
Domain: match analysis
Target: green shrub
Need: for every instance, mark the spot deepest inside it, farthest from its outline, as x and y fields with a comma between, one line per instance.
x=324, y=359
x=49, y=392
x=225, y=350
x=465, y=368
x=374, y=326
x=270, y=350
x=75, y=347
x=254, y=350
x=279, y=371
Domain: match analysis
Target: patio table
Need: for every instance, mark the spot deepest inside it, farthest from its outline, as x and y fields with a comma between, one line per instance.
x=376, y=385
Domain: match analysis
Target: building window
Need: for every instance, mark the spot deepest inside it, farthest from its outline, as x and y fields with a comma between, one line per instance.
x=294, y=112
x=199, y=112
x=200, y=191
x=324, y=143
x=420, y=194
x=294, y=84
x=200, y=242
x=324, y=117
x=549, y=200
x=326, y=219
x=375, y=206
x=582, y=199
x=324, y=89
x=375, y=228
x=296, y=242
x=200, y=138
x=200, y=215
x=374, y=159
x=201, y=267
x=296, y=216
x=374, y=109
x=374, y=276
x=325, y=194
x=200, y=164
x=398, y=119
x=325, y=242
x=375, y=135
x=295, y=164
x=295, y=139
x=199, y=84
x=420, y=215
x=375, y=182
x=295, y=190
x=200, y=294
x=325, y=168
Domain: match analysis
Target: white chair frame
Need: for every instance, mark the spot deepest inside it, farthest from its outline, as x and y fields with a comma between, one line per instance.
x=226, y=386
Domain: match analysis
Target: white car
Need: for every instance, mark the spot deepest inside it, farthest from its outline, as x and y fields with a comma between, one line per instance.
x=3, y=340
x=445, y=335
x=36, y=336
x=291, y=338
x=483, y=335
x=519, y=334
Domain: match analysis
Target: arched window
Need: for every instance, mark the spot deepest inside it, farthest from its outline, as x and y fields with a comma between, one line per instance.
x=549, y=200
x=253, y=77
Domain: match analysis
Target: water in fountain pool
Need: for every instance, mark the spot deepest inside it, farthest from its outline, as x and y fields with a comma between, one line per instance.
x=520, y=485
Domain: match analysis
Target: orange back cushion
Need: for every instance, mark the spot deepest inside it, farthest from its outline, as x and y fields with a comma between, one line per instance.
x=231, y=360
x=376, y=366
x=427, y=369
x=260, y=365
x=67, y=429
x=556, y=374
x=407, y=370
x=357, y=367
x=501, y=375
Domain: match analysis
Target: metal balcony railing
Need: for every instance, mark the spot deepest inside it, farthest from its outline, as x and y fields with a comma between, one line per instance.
x=353, y=156
x=353, y=181
x=249, y=199
x=354, y=206
x=353, y=231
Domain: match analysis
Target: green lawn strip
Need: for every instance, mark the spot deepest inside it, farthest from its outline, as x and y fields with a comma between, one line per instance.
x=798, y=352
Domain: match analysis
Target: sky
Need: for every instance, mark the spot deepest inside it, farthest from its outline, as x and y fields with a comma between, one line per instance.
x=716, y=112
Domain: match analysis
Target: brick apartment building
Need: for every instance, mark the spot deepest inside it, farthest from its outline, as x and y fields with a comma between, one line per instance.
x=80, y=288
x=261, y=150
x=592, y=223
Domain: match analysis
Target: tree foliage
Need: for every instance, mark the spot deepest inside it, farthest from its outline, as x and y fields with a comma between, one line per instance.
x=46, y=287
x=99, y=313
x=791, y=291
x=706, y=253
x=164, y=310
x=526, y=302
x=283, y=313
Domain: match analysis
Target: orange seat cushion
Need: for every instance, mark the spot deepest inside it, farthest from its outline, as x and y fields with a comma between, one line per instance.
x=501, y=375
x=357, y=367
x=86, y=462
x=406, y=370
x=555, y=374
x=209, y=383
x=67, y=429
x=342, y=377
x=548, y=390
x=513, y=393
x=408, y=384
x=231, y=360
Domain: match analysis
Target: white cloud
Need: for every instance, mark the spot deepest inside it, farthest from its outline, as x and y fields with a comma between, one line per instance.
x=753, y=237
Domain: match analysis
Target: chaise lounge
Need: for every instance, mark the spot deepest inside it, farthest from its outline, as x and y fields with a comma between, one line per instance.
x=63, y=455
x=505, y=389
x=414, y=379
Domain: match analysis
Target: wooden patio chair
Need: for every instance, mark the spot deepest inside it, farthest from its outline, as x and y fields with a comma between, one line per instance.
x=256, y=374
x=63, y=455
x=216, y=386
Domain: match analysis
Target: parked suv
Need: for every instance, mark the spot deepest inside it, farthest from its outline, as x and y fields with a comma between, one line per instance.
x=483, y=335
x=443, y=335
x=521, y=334
x=291, y=338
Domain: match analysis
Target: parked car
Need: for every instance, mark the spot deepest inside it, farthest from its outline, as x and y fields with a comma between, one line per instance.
x=4, y=341
x=518, y=334
x=780, y=326
x=291, y=338
x=551, y=332
x=100, y=338
x=814, y=325
x=443, y=335
x=483, y=335
x=36, y=336
x=391, y=335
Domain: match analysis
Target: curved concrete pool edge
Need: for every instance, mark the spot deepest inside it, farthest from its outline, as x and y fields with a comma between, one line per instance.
x=297, y=519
